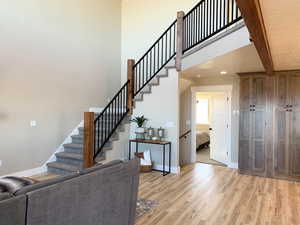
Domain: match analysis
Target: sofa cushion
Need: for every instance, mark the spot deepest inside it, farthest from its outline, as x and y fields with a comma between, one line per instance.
x=13, y=184
x=13, y=211
x=46, y=183
x=4, y=196
x=100, y=166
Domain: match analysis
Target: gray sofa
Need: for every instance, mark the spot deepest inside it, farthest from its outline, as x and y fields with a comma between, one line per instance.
x=102, y=195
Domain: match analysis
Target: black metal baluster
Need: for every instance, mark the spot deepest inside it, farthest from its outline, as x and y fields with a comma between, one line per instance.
x=232, y=10
x=150, y=63
x=195, y=27
x=174, y=44
x=154, y=61
x=228, y=3
x=143, y=73
x=162, y=52
x=213, y=16
x=217, y=14
x=198, y=23
x=166, y=47
x=170, y=43
x=202, y=21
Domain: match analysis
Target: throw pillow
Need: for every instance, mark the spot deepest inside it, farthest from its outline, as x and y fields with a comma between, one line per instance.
x=13, y=184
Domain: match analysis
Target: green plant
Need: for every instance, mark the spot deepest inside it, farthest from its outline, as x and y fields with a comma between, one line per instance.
x=139, y=120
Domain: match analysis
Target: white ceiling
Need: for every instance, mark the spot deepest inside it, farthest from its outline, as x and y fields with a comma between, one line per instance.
x=282, y=21
x=242, y=60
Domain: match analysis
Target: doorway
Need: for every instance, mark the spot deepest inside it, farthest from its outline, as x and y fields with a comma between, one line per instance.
x=211, y=124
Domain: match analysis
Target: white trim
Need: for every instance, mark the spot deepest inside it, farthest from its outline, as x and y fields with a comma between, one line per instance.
x=95, y=109
x=209, y=88
x=175, y=170
x=28, y=173
x=233, y=165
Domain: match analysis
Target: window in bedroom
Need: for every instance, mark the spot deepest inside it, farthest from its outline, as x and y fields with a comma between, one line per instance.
x=202, y=108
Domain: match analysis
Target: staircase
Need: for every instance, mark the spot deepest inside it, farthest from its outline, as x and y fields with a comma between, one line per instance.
x=206, y=19
x=71, y=159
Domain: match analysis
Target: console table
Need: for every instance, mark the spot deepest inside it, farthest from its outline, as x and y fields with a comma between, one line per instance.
x=156, y=142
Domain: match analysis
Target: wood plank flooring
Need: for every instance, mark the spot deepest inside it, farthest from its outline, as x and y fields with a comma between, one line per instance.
x=213, y=195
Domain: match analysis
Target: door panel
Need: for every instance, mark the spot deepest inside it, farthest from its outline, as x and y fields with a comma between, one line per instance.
x=245, y=153
x=245, y=93
x=281, y=156
x=245, y=125
x=281, y=128
x=282, y=91
x=258, y=142
x=259, y=92
x=219, y=134
x=245, y=161
x=258, y=121
x=259, y=155
x=294, y=147
x=295, y=143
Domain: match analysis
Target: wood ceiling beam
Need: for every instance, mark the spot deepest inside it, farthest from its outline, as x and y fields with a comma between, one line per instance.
x=252, y=14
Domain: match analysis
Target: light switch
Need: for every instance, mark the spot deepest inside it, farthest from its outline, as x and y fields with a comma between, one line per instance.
x=33, y=123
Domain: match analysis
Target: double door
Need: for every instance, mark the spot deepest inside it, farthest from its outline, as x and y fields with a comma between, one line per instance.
x=287, y=126
x=253, y=123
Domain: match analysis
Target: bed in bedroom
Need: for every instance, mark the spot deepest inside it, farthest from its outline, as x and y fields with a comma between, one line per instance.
x=202, y=140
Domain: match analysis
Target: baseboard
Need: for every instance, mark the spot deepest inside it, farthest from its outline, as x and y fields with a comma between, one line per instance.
x=29, y=173
x=173, y=169
x=233, y=165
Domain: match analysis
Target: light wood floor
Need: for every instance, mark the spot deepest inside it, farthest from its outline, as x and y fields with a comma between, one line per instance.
x=213, y=195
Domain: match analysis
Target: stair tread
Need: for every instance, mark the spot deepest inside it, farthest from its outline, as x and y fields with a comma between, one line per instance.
x=114, y=137
x=80, y=146
x=64, y=166
x=70, y=155
x=73, y=145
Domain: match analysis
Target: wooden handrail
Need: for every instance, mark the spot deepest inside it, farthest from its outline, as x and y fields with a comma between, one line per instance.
x=185, y=134
x=88, y=145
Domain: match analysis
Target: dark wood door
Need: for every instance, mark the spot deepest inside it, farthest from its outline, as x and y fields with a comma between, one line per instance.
x=294, y=122
x=245, y=154
x=258, y=115
x=281, y=127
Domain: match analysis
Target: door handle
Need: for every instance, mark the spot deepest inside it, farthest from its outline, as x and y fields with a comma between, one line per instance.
x=210, y=129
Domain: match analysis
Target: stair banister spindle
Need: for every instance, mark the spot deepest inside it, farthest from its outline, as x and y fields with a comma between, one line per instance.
x=179, y=47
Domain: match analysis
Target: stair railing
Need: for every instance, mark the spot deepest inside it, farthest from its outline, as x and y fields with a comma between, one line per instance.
x=206, y=19
x=156, y=58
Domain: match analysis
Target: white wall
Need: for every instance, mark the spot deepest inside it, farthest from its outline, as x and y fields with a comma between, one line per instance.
x=57, y=59
x=143, y=22
x=161, y=107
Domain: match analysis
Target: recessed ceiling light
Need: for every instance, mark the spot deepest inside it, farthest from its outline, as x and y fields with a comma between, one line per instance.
x=223, y=72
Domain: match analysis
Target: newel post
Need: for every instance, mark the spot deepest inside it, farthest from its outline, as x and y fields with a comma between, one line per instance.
x=88, y=146
x=180, y=39
x=130, y=77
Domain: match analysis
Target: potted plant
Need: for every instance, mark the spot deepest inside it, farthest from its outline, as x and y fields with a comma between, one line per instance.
x=140, y=131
